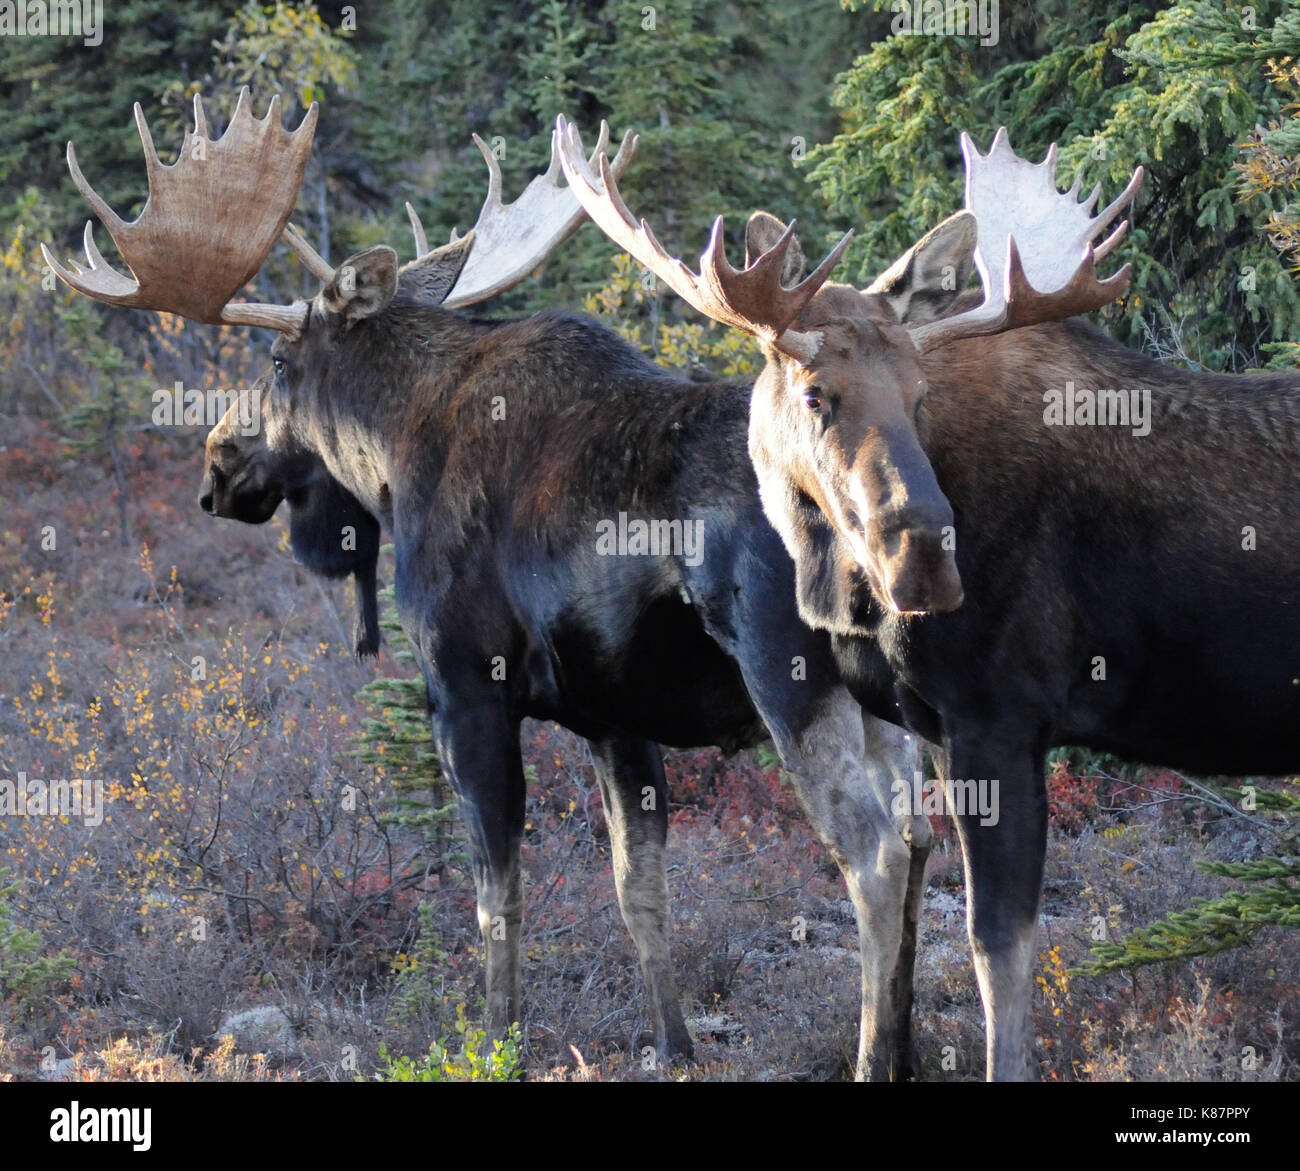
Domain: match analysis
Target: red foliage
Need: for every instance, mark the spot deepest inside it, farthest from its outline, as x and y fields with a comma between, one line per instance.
x=1071, y=799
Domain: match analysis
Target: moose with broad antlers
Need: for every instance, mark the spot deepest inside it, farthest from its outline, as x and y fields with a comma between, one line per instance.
x=1131, y=589
x=382, y=392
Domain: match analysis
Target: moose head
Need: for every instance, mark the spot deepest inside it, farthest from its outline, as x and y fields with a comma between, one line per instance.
x=835, y=431
x=209, y=223
x=330, y=533
x=242, y=478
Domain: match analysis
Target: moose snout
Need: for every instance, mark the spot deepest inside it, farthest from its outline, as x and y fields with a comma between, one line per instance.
x=914, y=550
x=245, y=494
x=211, y=489
x=207, y=493
x=909, y=536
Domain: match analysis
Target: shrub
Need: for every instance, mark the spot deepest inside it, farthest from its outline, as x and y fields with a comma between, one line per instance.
x=501, y=1061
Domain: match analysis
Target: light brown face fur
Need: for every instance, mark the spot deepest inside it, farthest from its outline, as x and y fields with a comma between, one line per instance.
x=839, y=434
x=859, y=455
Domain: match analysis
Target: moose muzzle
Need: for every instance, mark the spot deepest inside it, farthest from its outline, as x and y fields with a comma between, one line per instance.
x=246, y=496
x=909, y=537
x=917, y=567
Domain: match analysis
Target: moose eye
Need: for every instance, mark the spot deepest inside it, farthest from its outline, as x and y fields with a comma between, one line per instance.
x=812, y=401
x=279, y=365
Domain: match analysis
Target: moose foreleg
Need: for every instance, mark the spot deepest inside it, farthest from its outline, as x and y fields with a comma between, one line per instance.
x=893, y=762
x=635, y=794
x=365, y=627
x=1004, y=851
x=478, y=748
x=826, y=762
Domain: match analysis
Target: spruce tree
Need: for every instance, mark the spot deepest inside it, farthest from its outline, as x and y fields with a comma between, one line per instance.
x=396, y=739
x=1270, y=898
x=1176, y=88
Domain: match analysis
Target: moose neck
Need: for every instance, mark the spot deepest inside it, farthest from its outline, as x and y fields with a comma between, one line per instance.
x=1064, y=410
x=376, y=385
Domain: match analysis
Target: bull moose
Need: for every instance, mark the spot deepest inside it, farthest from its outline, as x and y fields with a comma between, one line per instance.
x=329, y=532
x=1130, y=584
x=497, y=453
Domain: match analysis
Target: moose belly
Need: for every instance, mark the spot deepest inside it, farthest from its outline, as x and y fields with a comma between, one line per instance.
x=1224, y=698
x=647, y=670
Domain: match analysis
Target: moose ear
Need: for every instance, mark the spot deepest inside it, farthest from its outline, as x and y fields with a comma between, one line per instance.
x=761, y=234
x=363, y=285
x=922, y=283
x=430, y=278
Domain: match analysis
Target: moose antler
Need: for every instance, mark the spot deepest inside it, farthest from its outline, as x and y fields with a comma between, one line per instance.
x=511, y=240
x=752, y=299
x=1034, y=255
x=225, y=202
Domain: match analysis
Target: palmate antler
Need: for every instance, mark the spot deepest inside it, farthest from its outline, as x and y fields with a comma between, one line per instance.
x=213, y=216
x=512, y=239
x=752, y=299
x=210, y=221
x=1035, y=255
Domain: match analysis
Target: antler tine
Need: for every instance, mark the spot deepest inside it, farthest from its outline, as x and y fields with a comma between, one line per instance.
x=107, y=216
x=493, y=198
x=312, y=260
x=752, y=299
x=1049, y=161
x=1121, y=201
x=1035, y=254
x=1102, y=250
x=417, y=230
x=242, y=106
x=512, y=239
x=151, y=164
x=91, y=249
x=821, y=274
x=223, y=206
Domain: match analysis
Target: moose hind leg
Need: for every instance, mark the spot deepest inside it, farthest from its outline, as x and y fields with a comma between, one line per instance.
x=479, y=750
x=631, y=777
